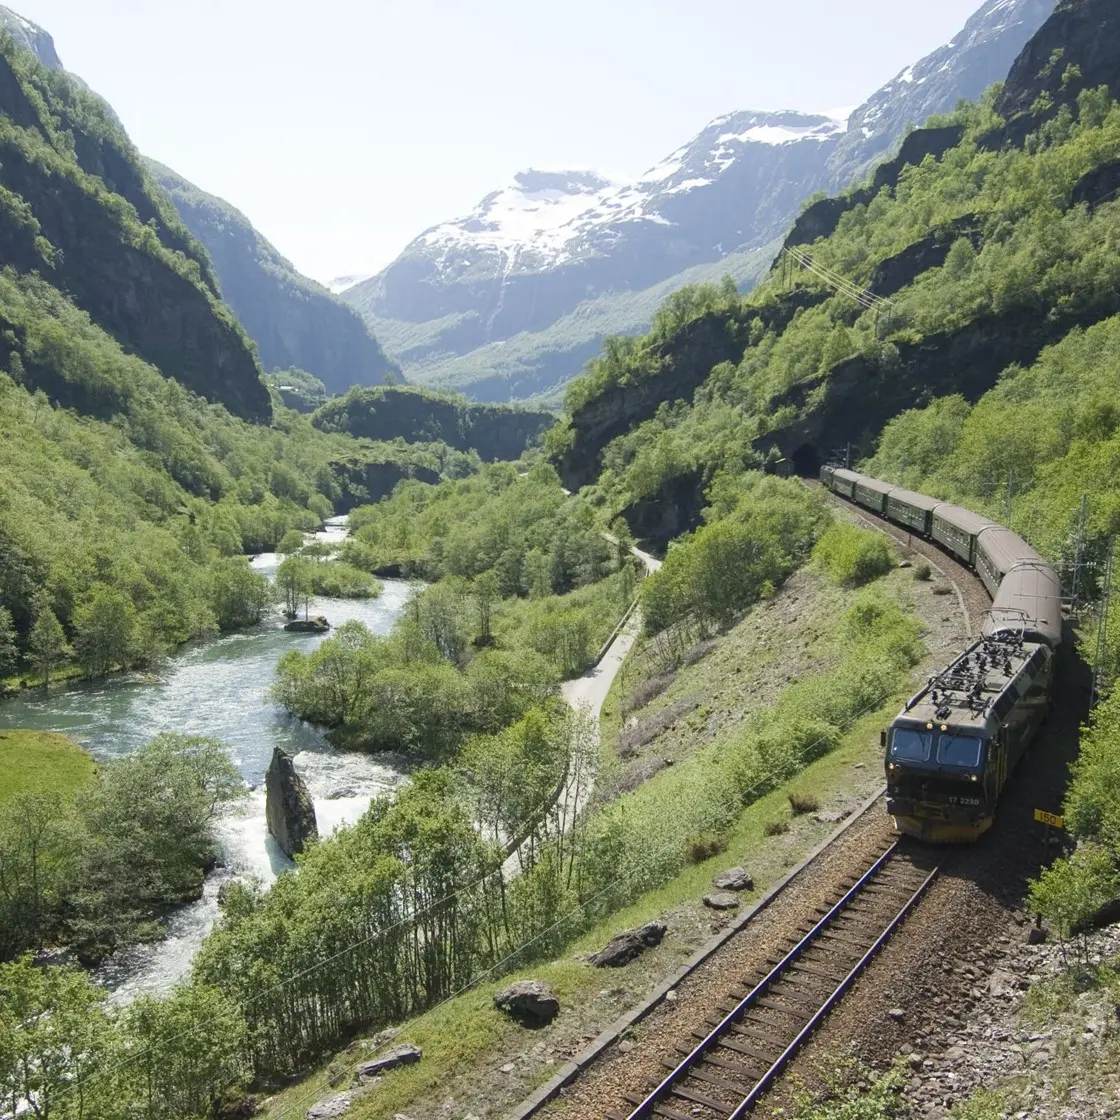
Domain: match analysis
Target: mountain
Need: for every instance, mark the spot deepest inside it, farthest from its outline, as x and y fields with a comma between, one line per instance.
x=81, y=216
x=294, y=321
x=509, y=301
x=31, y=37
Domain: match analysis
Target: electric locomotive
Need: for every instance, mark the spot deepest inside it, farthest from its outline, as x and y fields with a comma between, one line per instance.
x=952, y=748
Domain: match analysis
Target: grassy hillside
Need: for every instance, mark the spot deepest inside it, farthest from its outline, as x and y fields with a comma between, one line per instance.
x=41, y=762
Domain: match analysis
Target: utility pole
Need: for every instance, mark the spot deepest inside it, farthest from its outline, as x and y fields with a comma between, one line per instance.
x=1102, y=626
x=1079, y=552
x=1010, y=490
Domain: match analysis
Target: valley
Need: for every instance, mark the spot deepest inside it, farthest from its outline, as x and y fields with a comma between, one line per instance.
x=583, y=675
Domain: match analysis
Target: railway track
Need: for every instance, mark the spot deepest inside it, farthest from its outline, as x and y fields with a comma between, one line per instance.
x=725, y=1070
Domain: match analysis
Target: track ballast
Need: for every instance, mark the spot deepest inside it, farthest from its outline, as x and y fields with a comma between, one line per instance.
x=758, y=1030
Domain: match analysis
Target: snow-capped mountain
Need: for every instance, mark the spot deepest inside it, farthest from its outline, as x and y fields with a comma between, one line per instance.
x=31, y=37
x=511, y=299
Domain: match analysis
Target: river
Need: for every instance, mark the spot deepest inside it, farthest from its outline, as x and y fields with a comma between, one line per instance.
x=220, y=688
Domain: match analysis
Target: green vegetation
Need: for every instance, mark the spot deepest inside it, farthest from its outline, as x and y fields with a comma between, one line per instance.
x=417, y=415
x=1024, y=268
x=853, y=556
x=90, y=862
x=759, y=530
x=41, y=762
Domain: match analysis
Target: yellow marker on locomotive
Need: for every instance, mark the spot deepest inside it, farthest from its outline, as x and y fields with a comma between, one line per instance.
x=950, y=751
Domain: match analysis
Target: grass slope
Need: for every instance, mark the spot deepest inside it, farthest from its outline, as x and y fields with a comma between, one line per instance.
x=41, y=762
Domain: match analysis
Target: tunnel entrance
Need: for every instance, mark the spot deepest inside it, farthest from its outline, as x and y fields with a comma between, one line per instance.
x=807, y=461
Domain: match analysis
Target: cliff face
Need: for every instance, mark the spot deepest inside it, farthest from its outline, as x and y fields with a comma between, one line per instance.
x=294, y=321
x=496, y=432
x=79, y=209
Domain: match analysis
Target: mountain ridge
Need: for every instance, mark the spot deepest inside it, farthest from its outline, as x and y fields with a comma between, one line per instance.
x=444, y=304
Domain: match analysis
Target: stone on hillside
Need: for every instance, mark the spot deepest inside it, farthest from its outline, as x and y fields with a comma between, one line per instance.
x=629, y=945
x=403, y=1055
x=528, y=1001
x=830, y=817
x=331, y=1107
x=721, y=900
x=1036, y=935
x=288, y=808
x=734, y=879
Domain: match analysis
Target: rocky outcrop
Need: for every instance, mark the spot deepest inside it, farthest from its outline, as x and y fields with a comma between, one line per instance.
x=532, y=1002
x=289, y=810
x=1076, y=49
x=403, y=1055
x=294, y=321
x=895, y=273
x=629, y=945
x=1102, y=184
x=683, y=364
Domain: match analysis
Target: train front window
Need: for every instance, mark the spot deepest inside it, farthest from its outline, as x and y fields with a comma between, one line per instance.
x=908, y=744
x=960, y=750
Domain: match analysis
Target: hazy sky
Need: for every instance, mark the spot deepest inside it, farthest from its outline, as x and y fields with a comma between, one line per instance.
x=343, y=129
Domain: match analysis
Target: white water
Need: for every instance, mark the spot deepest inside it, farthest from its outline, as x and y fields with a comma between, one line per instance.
x=220, y=688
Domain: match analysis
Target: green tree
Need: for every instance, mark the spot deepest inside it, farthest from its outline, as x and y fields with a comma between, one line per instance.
x=1069, y=893
x=9, y=644
x=47, y=642
x=291, y=541
x=239, y=596
x=486, y=589
x=294, y=581
x=189, y=1048
x=58, y=1046
x=105, y=630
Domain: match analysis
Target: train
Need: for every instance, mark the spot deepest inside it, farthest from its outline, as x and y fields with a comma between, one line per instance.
x=952, y=749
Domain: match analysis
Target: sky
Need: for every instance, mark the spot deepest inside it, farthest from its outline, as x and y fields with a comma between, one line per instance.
x=344, y=128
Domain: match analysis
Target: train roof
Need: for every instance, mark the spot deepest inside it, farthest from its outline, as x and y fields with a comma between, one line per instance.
x=964, y=519
x=1028, y=601
x=1007, y=549
x=976, y=691
x=874, y=484
x=847, y=475
x=913, y=498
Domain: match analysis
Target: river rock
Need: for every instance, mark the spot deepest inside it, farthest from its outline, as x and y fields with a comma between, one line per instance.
x=734, y=879
x=721, y=900
x=531, y=1002
x=404, y=1055
x=316, y=625
x=288, y=807
x=327, y=1109
x=629, y=945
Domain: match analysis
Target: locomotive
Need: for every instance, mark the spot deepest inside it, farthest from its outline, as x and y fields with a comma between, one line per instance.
x=951, y=750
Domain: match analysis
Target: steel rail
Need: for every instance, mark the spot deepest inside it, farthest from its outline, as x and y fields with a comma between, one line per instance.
x=657, y=1096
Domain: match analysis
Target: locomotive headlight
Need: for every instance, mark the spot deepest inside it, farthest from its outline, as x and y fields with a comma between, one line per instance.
x=929, y=726
x=974, y=777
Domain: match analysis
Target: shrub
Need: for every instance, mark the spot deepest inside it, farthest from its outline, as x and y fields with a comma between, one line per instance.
x=704, y=845
x=853, y=556
x=802, y=803
x=922, y=572
x=776, y=828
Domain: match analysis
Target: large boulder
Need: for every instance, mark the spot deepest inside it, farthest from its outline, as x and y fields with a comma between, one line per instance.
x=288, y=807
x=734, y=879
x=531, y=1002
x=629, y=945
